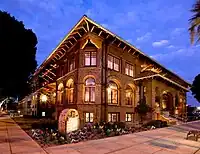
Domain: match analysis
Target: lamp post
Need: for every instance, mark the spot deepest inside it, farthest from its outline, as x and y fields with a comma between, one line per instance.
x=43, y=99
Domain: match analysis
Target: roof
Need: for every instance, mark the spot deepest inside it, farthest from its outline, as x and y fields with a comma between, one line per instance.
x=90, y=21
x=144, y=74
x=163, y=77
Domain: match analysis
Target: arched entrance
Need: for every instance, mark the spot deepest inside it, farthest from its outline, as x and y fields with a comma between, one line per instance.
x=167, y=102
x=68, y=120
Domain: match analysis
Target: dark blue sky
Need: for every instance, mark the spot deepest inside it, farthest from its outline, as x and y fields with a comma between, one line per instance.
x=157, y=27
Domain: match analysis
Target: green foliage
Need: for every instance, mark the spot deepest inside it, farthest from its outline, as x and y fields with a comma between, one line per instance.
x=46, y=123
x=17, y=56
x=195, y=22
x=142, y=108
x=196, y=88
x=156, y=123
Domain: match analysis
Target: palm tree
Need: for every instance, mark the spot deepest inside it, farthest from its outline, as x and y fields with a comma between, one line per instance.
x=195, y=22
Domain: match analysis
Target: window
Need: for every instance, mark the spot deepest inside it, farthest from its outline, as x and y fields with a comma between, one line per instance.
x=62, y=70
x=129, y=69
x=112, y=93
x=113, y=117
x=89, y=117
x=90, y=58
x=72, y=65
x=129, y=95
x=90, y=90
x=113, y=63
x=129, y=117
x=60, y=92
x=70, y=91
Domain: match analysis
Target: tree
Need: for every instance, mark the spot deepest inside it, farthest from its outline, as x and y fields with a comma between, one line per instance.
x=142, y=109
x=17, y=56
x=195, y=22
x=196, y=88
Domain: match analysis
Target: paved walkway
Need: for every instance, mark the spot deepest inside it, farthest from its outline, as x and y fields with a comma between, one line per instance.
x=13, y=140
x=171, y=140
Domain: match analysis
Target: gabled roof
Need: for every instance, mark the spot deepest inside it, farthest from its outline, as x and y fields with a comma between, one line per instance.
x=85, y=25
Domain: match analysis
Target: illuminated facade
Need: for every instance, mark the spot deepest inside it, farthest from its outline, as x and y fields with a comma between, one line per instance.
x=103, y=77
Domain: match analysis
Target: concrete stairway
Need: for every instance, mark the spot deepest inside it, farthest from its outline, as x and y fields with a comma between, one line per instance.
x=171, y=120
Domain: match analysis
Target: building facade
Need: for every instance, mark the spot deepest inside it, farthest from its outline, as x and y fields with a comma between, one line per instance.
x=103, y=77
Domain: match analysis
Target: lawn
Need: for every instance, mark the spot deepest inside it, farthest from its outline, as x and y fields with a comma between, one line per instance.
x=25, y=122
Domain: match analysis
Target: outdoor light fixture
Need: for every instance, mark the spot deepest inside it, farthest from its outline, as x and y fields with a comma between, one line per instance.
x=54, y=94
x=198, y=108
x=176, y=111
x=43, y=98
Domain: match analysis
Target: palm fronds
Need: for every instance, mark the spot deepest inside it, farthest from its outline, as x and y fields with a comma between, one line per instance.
x=195, y=23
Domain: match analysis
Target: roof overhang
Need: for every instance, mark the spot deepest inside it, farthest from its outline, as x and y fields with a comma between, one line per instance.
x=87, y=25
x=163, y=77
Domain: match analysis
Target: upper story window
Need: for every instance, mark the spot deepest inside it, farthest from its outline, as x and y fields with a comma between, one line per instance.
x=90, y=90
x=60, y=93
x=90, y=58
x=113, y=63
x=70, y=91
x=129, y=69
x=72, y=65
x=62, y=70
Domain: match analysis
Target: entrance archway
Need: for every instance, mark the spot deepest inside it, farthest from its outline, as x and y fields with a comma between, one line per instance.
x=167, y=102
x=68, y=120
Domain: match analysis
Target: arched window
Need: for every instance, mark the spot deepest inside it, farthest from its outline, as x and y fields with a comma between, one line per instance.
x=90, y=90
x=60, y=92
x=70, y=91
x=129, y=95
x=112, y=93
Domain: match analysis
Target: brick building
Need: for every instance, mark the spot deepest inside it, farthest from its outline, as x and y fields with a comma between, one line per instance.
x=102, y=77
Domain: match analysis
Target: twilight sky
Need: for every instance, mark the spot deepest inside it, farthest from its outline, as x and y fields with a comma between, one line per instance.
x=157, y=27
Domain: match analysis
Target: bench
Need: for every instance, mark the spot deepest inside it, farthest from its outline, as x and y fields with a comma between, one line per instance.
x=196, y=134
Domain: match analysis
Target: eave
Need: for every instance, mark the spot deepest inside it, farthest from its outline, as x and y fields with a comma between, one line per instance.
x=163, y=77
x=90, y=26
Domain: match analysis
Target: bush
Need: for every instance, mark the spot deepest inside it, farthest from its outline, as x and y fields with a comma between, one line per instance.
x=156, y=123
x=43, y=124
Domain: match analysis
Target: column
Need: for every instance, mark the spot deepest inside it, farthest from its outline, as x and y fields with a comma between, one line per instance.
x=137, y=95
x=153, y=95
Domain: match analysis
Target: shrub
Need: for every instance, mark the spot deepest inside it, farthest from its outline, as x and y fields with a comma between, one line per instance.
x=46, y=123
x=156, y=123
x=142, y=109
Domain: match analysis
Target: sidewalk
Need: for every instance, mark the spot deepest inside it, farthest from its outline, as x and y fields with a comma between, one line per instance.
x=13, y=140
x=170, y=140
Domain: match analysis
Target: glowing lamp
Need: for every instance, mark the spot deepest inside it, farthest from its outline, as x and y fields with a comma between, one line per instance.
x=198, y=108
x=54, y=94
x=43, y=98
